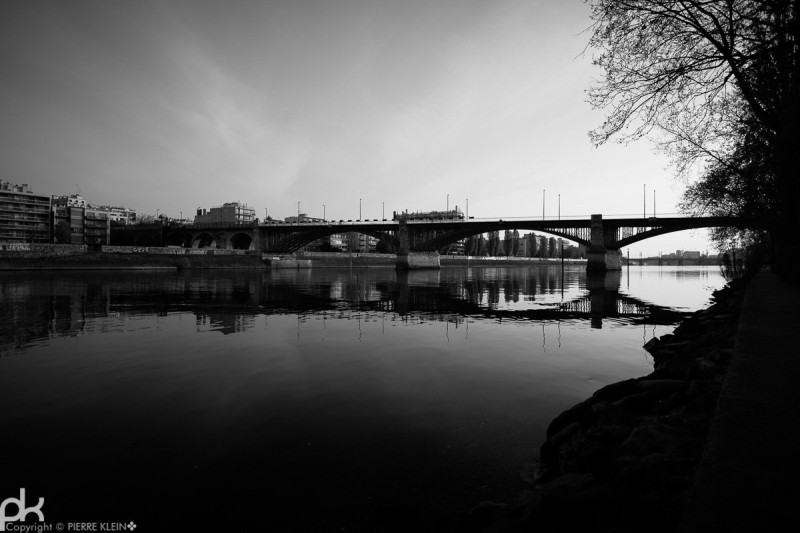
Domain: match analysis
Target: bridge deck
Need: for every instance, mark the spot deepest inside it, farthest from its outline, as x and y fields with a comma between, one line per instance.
x=434, y=234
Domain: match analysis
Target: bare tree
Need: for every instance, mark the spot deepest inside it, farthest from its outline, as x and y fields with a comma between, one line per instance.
x=691, y=68
x=717, y=80
x=146, y=219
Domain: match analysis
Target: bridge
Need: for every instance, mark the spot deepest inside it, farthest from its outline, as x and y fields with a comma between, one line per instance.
x=418, y=241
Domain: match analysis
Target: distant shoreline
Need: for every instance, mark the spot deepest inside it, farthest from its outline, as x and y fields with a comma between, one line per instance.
x=80, y=257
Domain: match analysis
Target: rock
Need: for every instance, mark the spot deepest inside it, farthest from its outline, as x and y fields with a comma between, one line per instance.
x=674, y=346
x=568, y=417
x=571, y=480
x=651, y=344
x=600, y=508
x=667, y=338
x=655, y=474
x=706, y=367
x=663, y=385
x=622, y=459
x=550, y=452
x=660, y=357
x=614, y=391
x=657, y=438
x=486, y=513
x=638, y=402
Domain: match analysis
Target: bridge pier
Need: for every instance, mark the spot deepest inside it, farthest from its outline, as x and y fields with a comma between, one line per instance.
x=259, y=242
x=418, y=260
x=408, y=260
x=599, y=261
x=599, y=257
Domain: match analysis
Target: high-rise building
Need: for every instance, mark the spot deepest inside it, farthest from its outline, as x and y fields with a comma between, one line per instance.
x=24, y=216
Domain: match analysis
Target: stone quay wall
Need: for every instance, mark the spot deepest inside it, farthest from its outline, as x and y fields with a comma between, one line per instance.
x=79, y=257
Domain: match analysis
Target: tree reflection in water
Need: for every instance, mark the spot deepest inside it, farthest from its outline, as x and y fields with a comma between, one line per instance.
x=42, y=304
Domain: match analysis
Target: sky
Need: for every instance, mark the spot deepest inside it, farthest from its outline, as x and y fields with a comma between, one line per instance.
x=341, y=105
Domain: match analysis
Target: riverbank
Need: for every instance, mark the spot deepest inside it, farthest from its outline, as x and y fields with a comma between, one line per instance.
x=625, y=459
x=337, y=260
x=461, y=260
x=80, y=257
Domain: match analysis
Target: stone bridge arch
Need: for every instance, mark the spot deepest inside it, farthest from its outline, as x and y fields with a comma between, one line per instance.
x=290, y=240
x=241, y=241
x=204, y=239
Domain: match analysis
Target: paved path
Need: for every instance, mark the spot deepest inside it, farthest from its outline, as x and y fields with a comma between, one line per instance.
x=749, y=477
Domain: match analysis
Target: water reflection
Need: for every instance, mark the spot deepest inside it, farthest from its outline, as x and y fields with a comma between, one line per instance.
x=243, y=393
x=41, y=305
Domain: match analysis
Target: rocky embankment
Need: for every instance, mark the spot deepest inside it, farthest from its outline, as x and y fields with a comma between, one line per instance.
x=623, y=459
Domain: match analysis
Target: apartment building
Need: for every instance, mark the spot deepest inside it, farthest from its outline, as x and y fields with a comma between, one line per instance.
x=24, y=216
x=235, y=212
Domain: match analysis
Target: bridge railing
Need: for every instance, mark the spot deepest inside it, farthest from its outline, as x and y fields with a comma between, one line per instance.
x=327, y=223
x=220, y=225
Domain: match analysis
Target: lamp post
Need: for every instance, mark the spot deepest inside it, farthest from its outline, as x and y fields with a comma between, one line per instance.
x=448, y=203
x=359, y=209
x=559, y=218
x=160, y=230
x=383, y=210
x=324, y=216
x=467, y=208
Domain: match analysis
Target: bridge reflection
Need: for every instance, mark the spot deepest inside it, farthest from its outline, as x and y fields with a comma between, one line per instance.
x=38, y=306
x=597, y=299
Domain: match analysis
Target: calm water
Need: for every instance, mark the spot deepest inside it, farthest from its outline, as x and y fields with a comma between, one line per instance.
x=325, y=399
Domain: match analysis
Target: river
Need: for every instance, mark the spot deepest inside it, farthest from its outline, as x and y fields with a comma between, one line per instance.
x=320, y=399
